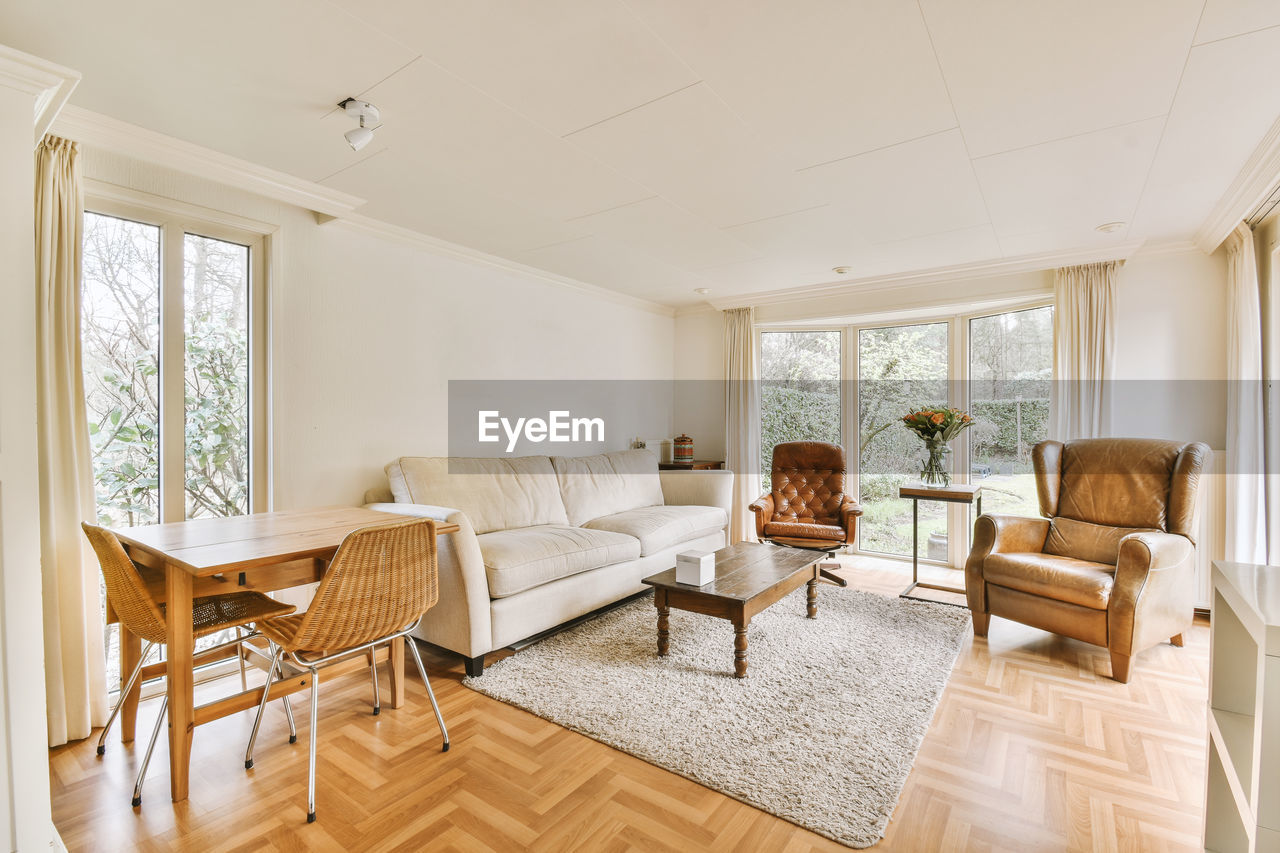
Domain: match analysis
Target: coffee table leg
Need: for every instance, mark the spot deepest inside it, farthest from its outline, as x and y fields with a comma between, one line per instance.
x=813, y=598
x=739, y=648
x=664, y=625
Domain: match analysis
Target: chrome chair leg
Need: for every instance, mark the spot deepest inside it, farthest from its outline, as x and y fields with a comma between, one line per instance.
x=288, y=708
x=288, y=712
x=262, y=706
x=422, y=670
x=373, y=669
x=146, y=761
x=311, y=767
x=244, y=681
x=137, y=670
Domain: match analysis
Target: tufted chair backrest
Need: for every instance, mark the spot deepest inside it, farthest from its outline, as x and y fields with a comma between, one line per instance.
x=808, y=482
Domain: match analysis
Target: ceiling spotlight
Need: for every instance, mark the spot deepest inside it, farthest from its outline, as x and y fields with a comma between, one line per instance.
x=702, y=291
x=367, y=114
x=1109, y=227
x=842, y=270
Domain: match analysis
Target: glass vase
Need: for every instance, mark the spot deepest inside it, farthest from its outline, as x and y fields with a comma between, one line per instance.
x=935, y=473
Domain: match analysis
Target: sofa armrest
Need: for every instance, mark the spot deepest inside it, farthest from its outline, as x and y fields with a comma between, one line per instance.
x=1152, y=598
x=996, y=534
x=461, y=620
x=698, y=488
x=762, y=508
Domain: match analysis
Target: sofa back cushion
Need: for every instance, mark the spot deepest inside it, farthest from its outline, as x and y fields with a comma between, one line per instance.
x=594, y=486
x=496, y=494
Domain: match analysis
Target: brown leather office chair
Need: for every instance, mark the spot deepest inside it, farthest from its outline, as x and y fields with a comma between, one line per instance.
x=1112, y=561
x=807, y=506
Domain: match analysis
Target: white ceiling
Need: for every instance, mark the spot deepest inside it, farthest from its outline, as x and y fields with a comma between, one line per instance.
x=658, y=146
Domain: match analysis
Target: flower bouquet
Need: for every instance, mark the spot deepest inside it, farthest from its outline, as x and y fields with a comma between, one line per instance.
x=936, y=427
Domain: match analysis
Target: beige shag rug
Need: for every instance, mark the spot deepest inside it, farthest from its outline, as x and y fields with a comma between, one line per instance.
x=822, y=732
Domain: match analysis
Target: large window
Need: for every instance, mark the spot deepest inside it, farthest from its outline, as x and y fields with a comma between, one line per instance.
x=120, y=334
x=800, y=391
x=171, y=338
x=998, y=366
x=900, y=369
x=169, y=377
x=1010, y=369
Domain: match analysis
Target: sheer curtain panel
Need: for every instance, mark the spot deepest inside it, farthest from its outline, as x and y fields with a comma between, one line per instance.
x=1083, y=344
x=742, y=417
x=1246, y=486
x=75, y=677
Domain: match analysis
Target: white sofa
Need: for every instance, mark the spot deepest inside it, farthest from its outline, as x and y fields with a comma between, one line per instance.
x=544, y=540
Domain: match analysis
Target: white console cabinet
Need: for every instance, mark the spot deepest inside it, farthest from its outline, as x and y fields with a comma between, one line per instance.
x=1242, y=799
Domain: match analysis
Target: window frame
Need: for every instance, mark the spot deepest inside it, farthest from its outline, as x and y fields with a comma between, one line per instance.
x=958, y=515
x=175, y=220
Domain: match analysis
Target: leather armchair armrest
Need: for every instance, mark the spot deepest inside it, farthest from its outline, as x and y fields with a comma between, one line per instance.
x=1153, y=595
x=763, y=509
x=995, y=534
x=849, y=512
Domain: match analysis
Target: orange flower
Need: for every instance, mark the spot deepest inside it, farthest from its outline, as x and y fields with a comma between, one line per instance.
x=938, y=418
x=966, y=419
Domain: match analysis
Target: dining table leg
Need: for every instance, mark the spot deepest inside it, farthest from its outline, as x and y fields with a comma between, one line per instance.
x=396, y=654
x=130, y=651
x=180, y=675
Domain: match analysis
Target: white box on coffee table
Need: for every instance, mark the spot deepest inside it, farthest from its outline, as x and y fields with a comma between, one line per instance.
x=696, y=568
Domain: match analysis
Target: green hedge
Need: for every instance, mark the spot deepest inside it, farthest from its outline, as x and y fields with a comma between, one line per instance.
x=790, y=414
x=996, y=430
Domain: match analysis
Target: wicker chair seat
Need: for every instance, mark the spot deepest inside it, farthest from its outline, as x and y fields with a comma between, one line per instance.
x=215, y=613
x=282, y=630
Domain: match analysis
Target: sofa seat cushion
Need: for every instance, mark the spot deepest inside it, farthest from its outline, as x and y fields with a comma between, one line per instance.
x=804, y=530
x=1061, y=578
x=661, y=527
x=520, y=559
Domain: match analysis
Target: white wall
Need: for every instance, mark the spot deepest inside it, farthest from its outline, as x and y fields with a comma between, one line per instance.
x=368, y=330
x=1172, y=332
x=698, y=409
x=25, y=822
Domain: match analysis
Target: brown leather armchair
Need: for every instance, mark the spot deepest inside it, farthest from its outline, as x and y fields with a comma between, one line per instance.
x=807, y=506
x=1112, y=561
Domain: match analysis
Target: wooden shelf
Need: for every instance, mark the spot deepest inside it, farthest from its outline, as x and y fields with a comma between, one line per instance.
x=1242, y=795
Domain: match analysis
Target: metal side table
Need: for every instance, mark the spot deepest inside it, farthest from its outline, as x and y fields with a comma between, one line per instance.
x=916, y=492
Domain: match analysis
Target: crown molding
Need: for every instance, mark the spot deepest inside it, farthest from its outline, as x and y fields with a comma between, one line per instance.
x=695, y=309
x=436, y=246
x=1175, y=247
x=130, y=140
x=1256, y=180
x=897, y=281
x=49, y=83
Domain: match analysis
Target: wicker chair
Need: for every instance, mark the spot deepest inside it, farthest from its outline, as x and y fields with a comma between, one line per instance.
x=380, y=583
x=144, y=618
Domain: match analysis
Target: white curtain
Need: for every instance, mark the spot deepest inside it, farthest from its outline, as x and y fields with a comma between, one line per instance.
x=75, y=677
x=1246, y=496
x=742, y=418
x=1271, y=389
x=1084, y=319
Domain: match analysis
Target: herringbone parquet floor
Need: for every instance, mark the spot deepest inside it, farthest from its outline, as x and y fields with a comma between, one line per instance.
x=1032, y=748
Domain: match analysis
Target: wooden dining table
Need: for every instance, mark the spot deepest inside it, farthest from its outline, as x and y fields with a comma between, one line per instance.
x=185, y=560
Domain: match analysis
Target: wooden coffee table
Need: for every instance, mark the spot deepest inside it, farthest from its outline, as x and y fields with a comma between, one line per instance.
x=749, y=577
